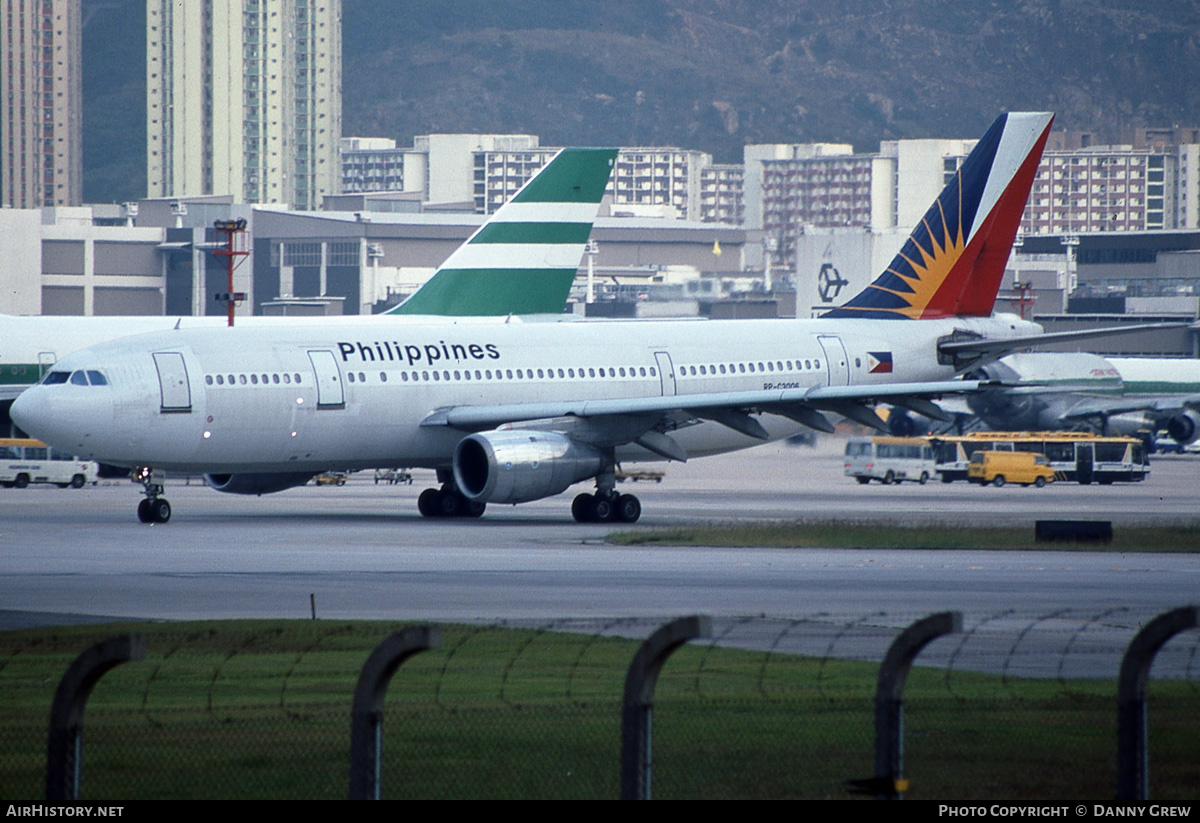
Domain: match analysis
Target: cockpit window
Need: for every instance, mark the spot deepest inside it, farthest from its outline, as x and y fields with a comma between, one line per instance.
x=82, y=377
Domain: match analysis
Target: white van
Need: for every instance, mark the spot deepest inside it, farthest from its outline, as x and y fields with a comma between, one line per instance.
x=889, y=459
x=31, y=461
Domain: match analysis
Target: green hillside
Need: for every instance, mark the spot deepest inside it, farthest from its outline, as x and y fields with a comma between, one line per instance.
x=708, y=74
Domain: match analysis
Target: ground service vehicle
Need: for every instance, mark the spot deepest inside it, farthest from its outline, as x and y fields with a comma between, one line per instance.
x=889, y=459
x=1078, y=456
x=1000, y=467
x=25, y=461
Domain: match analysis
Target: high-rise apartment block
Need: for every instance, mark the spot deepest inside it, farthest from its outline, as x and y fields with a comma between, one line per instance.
x=670, y=182
x=40, y=130
x=244, y=98
x=1104, y=189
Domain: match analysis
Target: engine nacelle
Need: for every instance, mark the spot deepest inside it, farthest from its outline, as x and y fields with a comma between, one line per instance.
x=264, y=483
x=1184, y=427
x=517, y=466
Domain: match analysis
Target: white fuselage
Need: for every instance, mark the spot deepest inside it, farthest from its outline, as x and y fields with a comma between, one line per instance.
x=353, y=395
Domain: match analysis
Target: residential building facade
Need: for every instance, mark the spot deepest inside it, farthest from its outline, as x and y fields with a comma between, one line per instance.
x=244, y=99
x=40, y=84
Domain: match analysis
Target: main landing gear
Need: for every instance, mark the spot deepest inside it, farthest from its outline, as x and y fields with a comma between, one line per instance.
x=603, y=507
x=154, y=508
x=448, y=502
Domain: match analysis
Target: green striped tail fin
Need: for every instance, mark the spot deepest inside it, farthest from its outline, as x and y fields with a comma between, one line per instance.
x=524, y=259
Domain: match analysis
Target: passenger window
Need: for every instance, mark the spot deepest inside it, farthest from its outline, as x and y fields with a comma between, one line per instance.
x=208, y=379
x=220, y=380
x=287, y=378
x=274, y=379
x=383, y=377
x=242, y=379
x=297, y=377
x=351, y=376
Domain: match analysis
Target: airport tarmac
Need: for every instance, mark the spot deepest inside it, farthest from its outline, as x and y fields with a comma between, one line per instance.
x=362, y=551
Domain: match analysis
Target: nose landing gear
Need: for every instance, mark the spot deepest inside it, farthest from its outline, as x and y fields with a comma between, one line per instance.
x=153, y=508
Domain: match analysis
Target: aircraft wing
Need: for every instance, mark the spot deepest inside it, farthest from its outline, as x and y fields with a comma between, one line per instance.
x=644, y=419
x=967, y=349
x=1098, y=407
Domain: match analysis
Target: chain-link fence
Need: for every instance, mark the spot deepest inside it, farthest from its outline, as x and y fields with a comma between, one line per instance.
x=1010, y=706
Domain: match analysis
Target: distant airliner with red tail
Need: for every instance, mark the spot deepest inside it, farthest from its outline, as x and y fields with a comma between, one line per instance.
x=509, y=411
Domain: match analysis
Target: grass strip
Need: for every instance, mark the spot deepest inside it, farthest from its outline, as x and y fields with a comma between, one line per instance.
x=260, y=709
x=843, y=535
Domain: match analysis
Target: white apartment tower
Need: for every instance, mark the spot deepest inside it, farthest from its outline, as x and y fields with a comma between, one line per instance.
x=41, y=125
x=244, y=98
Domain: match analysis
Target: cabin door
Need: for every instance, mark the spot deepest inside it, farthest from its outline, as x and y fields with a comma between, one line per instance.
x=329, y=380
x=173, y=385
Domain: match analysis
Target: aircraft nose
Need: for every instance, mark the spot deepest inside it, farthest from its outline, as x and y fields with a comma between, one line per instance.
x=24, y=411
x=54, y=418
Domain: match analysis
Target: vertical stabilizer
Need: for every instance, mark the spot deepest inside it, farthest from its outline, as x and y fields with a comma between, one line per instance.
x=524, y=259
x=953, y=262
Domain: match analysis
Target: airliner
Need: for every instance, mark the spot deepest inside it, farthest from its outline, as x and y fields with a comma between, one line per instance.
x=507, y=411
x=522, y=261
x=1046, y=391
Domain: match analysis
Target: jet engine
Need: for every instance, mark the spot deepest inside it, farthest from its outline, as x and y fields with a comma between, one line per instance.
x=1184, y=427
x=517, y=466
x=265, y=483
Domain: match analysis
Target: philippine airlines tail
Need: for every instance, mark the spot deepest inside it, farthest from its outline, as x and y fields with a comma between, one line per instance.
x=953, y=262
x=524, y=259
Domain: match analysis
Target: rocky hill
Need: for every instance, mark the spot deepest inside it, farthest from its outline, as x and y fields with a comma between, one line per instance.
x=717, y=74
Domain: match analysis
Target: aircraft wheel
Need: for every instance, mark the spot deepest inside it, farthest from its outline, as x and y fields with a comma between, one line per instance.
x=1040, y=482
x=924, y=478
x=602, y=510
x=581, y=508
x=474, y=508
x=143, y=510
x=160, y=510
x=629, y=508
x=998, y=481
x=427, y=503
x=78, y=481
x=449, y=504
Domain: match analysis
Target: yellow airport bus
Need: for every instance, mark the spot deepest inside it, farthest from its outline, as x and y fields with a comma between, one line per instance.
x=1078, y=456
x=24, y=461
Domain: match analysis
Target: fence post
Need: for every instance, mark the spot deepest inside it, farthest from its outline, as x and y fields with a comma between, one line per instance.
x=64, y=746
x=637, y=709
x=889, y=779
x=366, y=715
x=1133, y=769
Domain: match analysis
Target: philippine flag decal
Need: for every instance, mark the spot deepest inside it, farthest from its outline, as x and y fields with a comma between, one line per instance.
x=880, y=362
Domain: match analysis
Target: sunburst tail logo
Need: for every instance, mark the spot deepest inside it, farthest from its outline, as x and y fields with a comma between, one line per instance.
x=954, y=260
